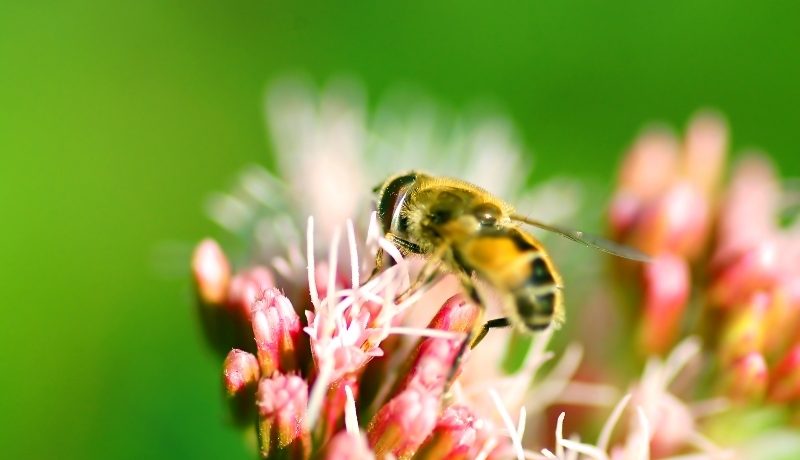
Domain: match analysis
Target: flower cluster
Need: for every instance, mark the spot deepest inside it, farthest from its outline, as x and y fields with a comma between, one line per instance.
x=326, y=359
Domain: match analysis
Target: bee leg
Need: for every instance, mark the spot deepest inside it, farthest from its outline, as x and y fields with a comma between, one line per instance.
x=466, y=281
x=378, y=265
x=491, y=324
x=426, y=275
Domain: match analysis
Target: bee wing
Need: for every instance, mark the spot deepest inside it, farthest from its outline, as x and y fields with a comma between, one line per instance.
x=594, y=241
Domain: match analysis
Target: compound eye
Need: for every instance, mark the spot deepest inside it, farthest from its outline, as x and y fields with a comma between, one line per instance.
x=487, y=214
x=440, y=215
x=446, y=207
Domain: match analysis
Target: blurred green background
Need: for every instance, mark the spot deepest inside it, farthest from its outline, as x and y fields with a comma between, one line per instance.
x=118, y=118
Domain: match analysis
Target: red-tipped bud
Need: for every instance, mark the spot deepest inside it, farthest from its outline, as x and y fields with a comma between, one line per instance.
x=746, y=273
x=705, y=151
x=623, y=213
x=282, y=402
x=455, y=315
x=666, y=292
x=402, y=424
x=433, y=360
x=785, y=382
x=247, y=287
x=212, y=272
x=747, y=377
x=346, y=446
x=677, y=222
x=276, y=328
x=458, y=435
x=744, y=331
x=240, y=371
x=650, y=166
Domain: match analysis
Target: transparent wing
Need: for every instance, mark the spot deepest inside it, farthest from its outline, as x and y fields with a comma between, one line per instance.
x=588, y=239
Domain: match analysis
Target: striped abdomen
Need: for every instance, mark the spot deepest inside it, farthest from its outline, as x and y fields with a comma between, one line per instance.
x=518, y=267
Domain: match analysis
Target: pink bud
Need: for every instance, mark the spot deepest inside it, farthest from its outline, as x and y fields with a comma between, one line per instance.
x=666, y=291
x=459, y=435
x=455, y=315
x=246, y=287
x=211, y=271
x=282, y=402
x=624, y=211
x=785, y=382
x=676, y=222
x=402, y=424
x=650, y=166
x=276, y=328
x=347, y=446
x=747, y=272
x=747, y=377
x=434, y=358
x=705, y=150
x=240, y=371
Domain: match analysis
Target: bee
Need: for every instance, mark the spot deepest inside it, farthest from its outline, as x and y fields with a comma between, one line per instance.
x=463, y=229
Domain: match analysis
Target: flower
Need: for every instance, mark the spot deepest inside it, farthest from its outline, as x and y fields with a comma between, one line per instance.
x=335, y=361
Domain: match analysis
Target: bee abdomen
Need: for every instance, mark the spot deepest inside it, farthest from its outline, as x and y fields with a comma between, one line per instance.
x=537, y=306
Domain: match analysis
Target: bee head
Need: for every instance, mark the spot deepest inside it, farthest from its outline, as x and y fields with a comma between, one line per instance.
x=390, y=195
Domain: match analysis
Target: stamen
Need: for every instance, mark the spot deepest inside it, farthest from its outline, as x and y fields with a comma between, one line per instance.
x=312, y=280
x=512, y=431
x=645, y=426
x=608, y=426
x=560, y=434
x=333, y=261
x=680, y=356
x=487, y=449
x=354, y=265
x=586, y=449
x=426, y=332
x=350, y=418
x=317, y=393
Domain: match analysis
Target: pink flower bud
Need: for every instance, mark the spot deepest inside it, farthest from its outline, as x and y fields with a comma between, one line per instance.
x=402, y=424
x=666, y=291
x=455, y=315
x=785, y=381
x=247, y=287
x=434, y=358
x=211, y=271
x=282, y=402
x=650, y=166
x=347, y=446
x=744, y=332
x=747, y=377
x=705, y=150
x=676, y=222
x=276, y=328
x=459, y=435
x=624, y=212
x=745, y=273
x=240, y=371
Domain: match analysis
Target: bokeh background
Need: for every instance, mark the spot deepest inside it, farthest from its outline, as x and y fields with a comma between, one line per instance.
x=117, y=119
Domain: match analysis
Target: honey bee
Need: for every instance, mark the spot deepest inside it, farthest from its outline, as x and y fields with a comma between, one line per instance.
x=463, y=229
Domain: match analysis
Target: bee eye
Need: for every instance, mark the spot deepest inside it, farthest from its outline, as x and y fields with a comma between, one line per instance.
x=487, y=214
x=439, y=216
